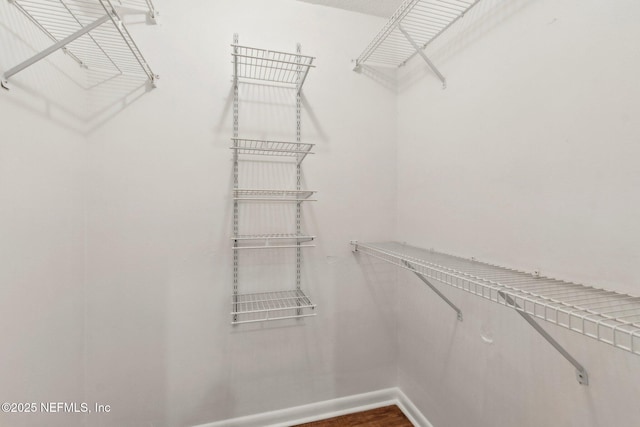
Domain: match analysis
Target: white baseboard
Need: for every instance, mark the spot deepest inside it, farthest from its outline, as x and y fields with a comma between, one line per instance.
x=329, y=409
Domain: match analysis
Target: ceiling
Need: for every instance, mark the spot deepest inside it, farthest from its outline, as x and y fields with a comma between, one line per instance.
x=383, y=8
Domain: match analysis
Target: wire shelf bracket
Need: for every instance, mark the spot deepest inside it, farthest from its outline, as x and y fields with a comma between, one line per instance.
x=424, y=56
x=53, y=48
x=67, y=21
x=581, y=373
x=411, y=28
x=436, y=290
x=607, y=316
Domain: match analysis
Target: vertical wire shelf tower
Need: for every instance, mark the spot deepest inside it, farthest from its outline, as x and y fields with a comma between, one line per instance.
x=289, y=70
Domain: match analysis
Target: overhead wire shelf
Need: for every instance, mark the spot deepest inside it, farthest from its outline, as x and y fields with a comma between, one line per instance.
x=271, y=241
x=260, y=307
x=604, y=315
x=273, y=195
x=288, y=69
x=422, y=21
x=259, y=147
x=91, y=32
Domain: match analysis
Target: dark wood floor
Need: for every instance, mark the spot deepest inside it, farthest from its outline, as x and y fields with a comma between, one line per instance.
x=388, y=416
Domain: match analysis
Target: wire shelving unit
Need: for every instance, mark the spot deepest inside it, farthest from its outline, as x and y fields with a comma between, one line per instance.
x=413, y=27
x=90, y=32
x=287, y=70
x=257, y=147
x=272, y=241
x=607, y=316
x=263, y=195
x=260, y=307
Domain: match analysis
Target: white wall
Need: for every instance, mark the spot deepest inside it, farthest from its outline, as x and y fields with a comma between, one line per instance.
x=42, y=161
x=160, y=348
x=527, y=159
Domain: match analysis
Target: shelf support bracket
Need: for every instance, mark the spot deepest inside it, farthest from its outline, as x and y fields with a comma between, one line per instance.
x=434, y=289
x=581, y=373
x=48, y=51
x=422, y=54
x=304, y=77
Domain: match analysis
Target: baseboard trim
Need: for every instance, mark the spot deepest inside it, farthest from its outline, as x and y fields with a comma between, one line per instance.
x=411, y=411
x=329, y=409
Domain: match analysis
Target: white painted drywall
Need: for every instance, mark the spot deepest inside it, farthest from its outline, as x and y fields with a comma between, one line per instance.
x=528, y=159
x=42, y=161
x=160, y=347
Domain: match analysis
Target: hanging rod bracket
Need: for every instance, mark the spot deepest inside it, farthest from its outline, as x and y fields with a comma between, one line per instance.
x=434, y=289
x=55, y=47
x=420, y=52
x=581, y=373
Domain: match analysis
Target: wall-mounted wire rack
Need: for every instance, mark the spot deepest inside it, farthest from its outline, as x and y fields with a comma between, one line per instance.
x=265, y=306
x=607, y=316
x=90, y=32
x=262, y=195
x=257, y=147
x=271, y=241
x=413, y=26
x=288, y=70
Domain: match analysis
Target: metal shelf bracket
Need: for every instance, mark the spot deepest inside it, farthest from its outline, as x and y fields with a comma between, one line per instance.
x=354, y=248
x=420, y=52
x=434, y=289
x=581, y=373
x=53, y=48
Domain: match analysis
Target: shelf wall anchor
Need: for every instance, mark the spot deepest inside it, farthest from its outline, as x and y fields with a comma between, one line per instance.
x=434, y=289
x=424, y=56
x=581, y=373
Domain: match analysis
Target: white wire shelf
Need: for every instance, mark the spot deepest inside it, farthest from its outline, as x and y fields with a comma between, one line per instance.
x=260, y=307
x=412, y=27
x=91, y=32
x=272, y=241
x=606, y=316
x=288, y=69
x=256, y=195
x=258, y=147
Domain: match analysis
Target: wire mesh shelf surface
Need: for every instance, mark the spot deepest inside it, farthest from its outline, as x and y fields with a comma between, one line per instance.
x=273, y=195
x=260, y=307
x=289, y=69
x=107, y=48
x=422, y=20
x=258, y=147
x=271, y=241
x=606, y=316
